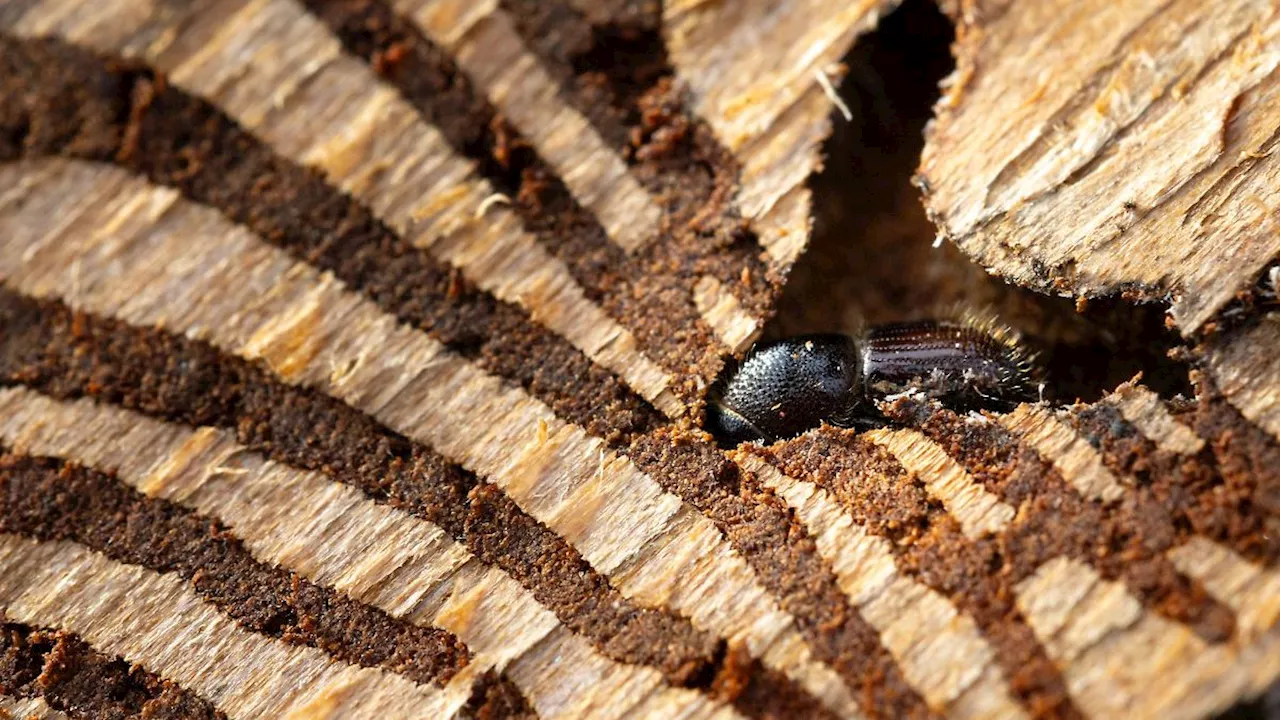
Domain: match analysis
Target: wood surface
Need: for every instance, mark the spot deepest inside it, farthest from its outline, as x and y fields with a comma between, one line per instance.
x=227, y=325
x=1092, y=149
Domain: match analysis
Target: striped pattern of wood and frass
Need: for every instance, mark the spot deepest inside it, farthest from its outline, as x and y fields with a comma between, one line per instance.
x=350, y=339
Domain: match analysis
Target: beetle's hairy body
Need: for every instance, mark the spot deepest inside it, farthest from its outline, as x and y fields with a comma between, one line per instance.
x=962, y=365
x=785, y=387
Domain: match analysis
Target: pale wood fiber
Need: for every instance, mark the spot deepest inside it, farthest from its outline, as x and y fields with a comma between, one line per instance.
x=940, y=650
x=1147, y=412
x=158, y=622
x=722, y=311
x=1072, y=455
x=1093, y=148
x=978, y=511
x=280, y=73
x=1084, y=147
x=29, y=709
x=141, y=254
x=488, y=48
x=1246, y=368
x=330, y=534
x=1120, y=662
x=752, y=67
x=1089, y=147
x=484, y=40
x=1250, y=590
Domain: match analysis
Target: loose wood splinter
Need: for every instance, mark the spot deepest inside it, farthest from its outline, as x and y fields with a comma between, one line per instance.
x=785, y=387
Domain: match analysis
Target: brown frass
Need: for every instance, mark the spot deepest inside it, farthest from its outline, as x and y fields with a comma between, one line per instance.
x=759, y=692
x=643, y=293
x=72, y=677
x=1228, y=492
x=66, y=355
x=613, y=68
x=1124, y=540
x=50, y=500
x=882, y=497
x=57, y=99
x=785, y=559
x=495, y=697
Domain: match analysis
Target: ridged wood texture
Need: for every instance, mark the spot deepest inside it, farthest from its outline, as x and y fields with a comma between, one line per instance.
x=349, y=351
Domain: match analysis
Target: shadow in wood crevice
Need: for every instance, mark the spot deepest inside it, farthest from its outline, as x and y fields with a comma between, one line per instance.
x=872, y=257
x=1256, y=301
x=1263, y=707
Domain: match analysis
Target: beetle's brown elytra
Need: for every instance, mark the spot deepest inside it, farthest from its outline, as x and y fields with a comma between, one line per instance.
x=785, y=387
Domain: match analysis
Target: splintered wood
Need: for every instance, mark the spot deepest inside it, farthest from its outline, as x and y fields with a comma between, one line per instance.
x=1246, y=367
x=29, y=709
x=1096, y=147
x=131, y=612
x=769, y=107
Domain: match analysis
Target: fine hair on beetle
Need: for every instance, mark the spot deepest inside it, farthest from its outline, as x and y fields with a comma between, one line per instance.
x=785, y=387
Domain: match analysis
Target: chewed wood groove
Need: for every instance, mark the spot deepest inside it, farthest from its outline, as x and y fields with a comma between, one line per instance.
x=846, y=616
x=977, y=510
x=941, y=651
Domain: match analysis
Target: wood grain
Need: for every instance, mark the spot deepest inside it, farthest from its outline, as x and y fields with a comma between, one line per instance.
x=1092, y=148
x=337, y=538
x=153, y=619
x=260, y=304
x=1082, y=148
x=29, y=709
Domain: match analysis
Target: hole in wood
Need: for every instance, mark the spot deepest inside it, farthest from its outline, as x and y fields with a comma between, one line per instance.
x=872, y=257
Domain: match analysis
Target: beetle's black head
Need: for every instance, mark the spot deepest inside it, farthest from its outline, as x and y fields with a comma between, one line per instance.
x=785, y=387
